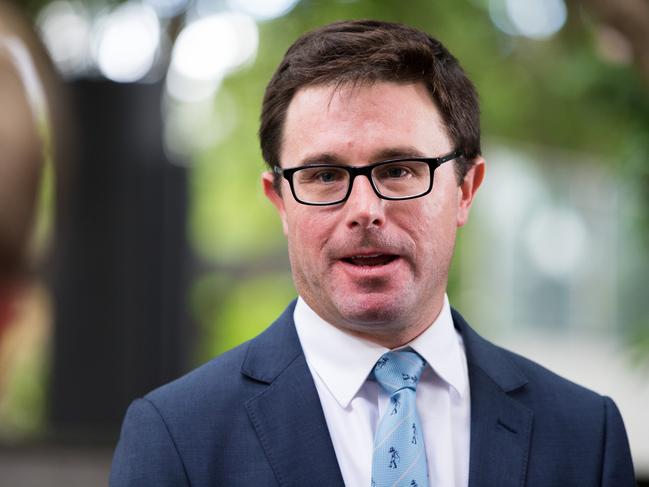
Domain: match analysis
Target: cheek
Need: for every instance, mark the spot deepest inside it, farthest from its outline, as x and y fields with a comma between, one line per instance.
x=432, y=228
x=307, y=234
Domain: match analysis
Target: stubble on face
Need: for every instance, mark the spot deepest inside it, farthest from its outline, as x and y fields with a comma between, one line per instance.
x=394, y=306
x=379, y=309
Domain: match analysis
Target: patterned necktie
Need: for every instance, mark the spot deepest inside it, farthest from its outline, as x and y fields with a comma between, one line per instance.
x=399, y=458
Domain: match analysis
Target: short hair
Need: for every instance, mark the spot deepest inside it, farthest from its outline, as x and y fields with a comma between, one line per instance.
x=365, y=52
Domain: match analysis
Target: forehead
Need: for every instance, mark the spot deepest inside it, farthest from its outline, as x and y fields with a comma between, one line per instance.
x=357, y=122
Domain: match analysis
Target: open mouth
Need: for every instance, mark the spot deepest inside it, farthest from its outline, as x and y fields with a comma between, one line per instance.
x=370, y=260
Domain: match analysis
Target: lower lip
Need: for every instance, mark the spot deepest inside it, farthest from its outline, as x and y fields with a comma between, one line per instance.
x=370, y=271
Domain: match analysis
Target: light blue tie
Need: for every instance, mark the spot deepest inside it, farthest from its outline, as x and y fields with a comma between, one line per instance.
x=399, y=458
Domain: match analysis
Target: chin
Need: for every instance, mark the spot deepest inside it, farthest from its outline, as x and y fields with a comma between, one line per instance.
x=370, y=310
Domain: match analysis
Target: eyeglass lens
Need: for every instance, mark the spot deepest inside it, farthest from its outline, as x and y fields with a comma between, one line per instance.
x=327, y=184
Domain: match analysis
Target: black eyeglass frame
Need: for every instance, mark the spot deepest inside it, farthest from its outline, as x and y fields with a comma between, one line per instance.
x=433, y=163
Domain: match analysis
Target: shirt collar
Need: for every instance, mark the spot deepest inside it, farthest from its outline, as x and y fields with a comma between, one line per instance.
x=344, y=361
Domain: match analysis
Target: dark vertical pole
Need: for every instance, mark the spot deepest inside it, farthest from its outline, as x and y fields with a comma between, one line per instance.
x=120, y=254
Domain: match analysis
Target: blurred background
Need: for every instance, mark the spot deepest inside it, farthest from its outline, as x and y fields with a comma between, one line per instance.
x=133, y=232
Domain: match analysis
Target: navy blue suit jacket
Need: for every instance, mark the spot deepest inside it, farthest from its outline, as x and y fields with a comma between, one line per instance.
x=252, y=417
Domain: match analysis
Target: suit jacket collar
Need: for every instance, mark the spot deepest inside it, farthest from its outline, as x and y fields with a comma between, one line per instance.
x=270, y=353
x=501, y=427
x=292, y=429
x=488, y=357
x=287, y=415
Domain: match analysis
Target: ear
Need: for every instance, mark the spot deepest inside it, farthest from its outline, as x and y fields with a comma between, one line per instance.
x=467, y=190
x=268, y=183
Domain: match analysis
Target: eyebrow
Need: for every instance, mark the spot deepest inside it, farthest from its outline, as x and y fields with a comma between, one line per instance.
x=398, y=152
x=381, y=155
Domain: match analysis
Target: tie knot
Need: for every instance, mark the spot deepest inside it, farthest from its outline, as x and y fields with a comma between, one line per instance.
x=399, y=370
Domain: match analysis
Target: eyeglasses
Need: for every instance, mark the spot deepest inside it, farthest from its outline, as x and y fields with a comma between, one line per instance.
x=394, y=179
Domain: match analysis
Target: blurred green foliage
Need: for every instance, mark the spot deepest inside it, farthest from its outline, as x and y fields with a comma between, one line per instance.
x=23, y=411
x=230, y=307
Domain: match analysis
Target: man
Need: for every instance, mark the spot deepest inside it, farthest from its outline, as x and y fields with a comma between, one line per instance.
x=371, y=132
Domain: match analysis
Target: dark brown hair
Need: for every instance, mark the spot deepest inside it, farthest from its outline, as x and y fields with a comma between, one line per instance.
x=367, y=51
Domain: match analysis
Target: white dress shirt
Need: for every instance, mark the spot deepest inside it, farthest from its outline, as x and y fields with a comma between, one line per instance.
x=340, y=364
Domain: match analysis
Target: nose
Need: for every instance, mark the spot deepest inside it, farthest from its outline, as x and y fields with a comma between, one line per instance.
x=364, y=209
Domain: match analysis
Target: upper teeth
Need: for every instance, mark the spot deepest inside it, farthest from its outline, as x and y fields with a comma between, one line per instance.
x=366, y=256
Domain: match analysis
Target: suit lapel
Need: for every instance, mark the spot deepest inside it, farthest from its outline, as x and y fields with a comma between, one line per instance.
x=287, y=415
x=500, y=435
x=500, y=426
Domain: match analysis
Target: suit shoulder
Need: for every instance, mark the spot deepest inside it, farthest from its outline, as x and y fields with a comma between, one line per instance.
x=554, y=388
x=513, y=372
x=228, y=381
x=572, y=425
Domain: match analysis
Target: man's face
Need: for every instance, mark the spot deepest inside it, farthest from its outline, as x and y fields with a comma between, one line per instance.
x=374, y=267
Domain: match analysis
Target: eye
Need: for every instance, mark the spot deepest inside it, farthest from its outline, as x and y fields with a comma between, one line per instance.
x=394, y=171
x=327, y=176
x=321, y=175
